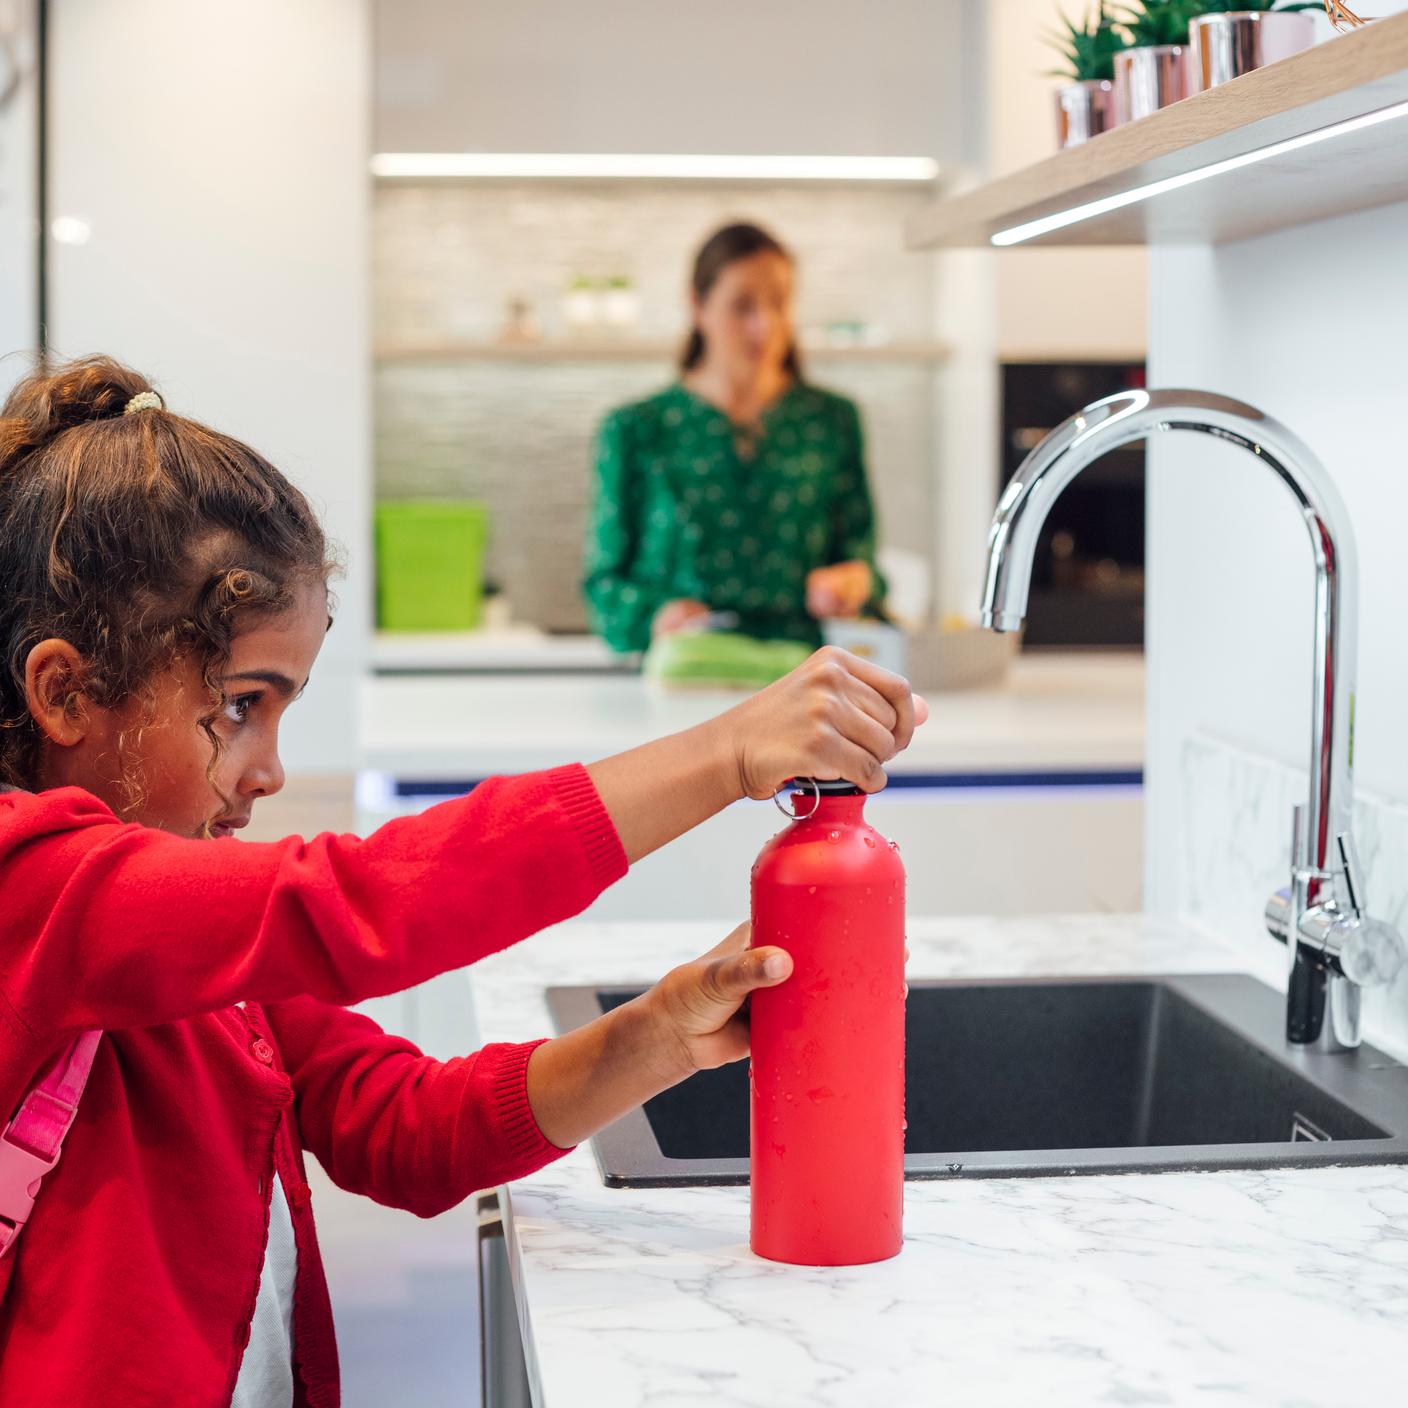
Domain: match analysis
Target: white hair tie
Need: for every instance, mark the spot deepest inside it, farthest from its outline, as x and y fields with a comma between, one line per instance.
x=144, y=401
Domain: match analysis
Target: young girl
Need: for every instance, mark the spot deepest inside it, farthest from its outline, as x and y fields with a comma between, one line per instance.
x=165, y=597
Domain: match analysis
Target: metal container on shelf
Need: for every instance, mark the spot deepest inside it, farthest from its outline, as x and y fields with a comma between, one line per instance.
x=1083, y=110
x=1149, y=78
x=1223, y=47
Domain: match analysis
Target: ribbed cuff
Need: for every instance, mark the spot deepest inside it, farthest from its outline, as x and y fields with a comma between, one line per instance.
x=606, y=857
x=526, y=1143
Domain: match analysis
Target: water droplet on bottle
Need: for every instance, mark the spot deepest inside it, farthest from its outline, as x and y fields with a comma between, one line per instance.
x=869, y=841
x=811, y=889
x=833, y=836
x=894, y=845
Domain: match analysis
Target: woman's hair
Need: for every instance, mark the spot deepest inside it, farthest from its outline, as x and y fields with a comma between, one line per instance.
x=140, y=538
x=722, y=248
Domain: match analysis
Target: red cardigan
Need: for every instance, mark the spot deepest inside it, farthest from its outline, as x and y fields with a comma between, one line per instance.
x=135, y=1279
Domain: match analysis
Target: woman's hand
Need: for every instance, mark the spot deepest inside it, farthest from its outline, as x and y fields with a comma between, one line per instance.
x=691, y=1020
x=675, y=615
x=839, y=590
x=834, y=716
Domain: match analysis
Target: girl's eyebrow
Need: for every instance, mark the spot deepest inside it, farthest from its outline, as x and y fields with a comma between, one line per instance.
x=273, y=678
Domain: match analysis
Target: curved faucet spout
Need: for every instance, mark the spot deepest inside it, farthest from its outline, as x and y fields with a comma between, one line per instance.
x=1134, y=415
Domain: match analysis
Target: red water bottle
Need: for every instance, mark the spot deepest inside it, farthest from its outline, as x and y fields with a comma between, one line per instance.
x=827, y=1072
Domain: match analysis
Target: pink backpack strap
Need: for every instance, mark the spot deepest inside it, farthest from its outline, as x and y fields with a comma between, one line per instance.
x=33, y=1139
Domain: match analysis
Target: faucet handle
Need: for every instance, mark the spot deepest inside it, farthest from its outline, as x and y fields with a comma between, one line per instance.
x=1368, y=952
x=1353, y=873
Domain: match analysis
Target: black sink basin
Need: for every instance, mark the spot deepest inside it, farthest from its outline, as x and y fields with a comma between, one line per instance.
x=1084, y=1075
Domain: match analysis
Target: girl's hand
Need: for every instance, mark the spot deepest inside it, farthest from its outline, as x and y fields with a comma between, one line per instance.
x=839, y=590
x=691, y=1020
x=834, y=716
x=675, y=615
x=697, y=1007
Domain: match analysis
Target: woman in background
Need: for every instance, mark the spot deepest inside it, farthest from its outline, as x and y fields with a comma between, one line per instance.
x=739, y=492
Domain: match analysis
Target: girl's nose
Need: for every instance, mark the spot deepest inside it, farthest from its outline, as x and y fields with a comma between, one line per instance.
x=265, y=779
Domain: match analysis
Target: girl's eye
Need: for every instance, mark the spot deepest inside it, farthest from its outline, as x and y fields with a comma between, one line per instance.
x=239, y=707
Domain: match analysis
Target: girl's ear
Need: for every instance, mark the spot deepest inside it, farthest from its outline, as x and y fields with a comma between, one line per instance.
x=53, y=691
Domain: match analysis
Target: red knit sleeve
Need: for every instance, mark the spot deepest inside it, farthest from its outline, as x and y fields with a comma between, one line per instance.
x=401, y=1127
x=110, y=925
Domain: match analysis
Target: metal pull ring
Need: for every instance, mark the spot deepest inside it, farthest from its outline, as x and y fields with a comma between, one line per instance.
x=797, y=816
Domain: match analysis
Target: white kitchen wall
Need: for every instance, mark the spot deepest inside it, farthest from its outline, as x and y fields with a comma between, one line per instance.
x=1307, y=325
x=19, y=188
x=219, y=158
x=792, y=76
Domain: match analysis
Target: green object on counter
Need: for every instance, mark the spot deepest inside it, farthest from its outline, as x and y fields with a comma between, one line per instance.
x=721, y=659
x=430, y=564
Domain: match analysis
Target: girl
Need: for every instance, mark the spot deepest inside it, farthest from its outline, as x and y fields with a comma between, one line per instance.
x=165, y=596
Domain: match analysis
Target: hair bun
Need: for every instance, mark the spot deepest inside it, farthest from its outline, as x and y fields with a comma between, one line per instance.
x=45, y=404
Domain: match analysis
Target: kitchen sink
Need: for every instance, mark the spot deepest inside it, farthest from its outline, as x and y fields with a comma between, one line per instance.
x=1031, y=1077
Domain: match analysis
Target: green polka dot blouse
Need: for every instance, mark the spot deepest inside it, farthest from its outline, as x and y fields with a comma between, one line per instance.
x=689, y=505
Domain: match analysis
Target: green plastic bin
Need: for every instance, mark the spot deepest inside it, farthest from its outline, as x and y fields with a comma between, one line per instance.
x=430, y=564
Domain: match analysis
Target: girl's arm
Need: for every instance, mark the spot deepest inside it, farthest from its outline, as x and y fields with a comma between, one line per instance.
x=420, y=1134
x=389, y=1122
x=110, y=925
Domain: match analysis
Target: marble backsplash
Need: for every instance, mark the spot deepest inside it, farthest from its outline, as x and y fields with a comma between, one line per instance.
x=1236, y=808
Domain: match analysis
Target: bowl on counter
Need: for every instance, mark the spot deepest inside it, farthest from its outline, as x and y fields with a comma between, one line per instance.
x=949, y=657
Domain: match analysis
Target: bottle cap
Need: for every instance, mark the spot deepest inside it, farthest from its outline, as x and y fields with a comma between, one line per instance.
x=836, y=787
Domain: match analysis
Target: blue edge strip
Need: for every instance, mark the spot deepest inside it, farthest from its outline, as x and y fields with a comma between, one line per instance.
x=942, y=781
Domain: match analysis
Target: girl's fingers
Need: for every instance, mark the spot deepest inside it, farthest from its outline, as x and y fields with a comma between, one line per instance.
x=729, y=980
x=891, y=687
x=873, y=703
x=875, y=740
x=860, y=767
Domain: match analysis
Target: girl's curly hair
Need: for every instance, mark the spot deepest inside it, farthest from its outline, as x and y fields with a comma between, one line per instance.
x=140, y=539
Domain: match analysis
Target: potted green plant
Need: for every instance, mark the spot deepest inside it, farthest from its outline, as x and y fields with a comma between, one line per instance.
x=1228, y=38
x=1083, y=103
x=1153, y=71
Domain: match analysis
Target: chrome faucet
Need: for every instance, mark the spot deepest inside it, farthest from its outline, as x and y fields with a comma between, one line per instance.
x=1335, y=949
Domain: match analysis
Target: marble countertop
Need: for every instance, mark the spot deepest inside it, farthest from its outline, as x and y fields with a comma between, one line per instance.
x=1055, y=712
x=1285, y=1288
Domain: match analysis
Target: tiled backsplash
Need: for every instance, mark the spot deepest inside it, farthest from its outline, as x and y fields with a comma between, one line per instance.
x=516, y=433
x=1236, y=809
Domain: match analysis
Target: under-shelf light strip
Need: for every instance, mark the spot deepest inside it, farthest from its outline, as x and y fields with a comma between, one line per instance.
x=584, y=166
x=1059, y=221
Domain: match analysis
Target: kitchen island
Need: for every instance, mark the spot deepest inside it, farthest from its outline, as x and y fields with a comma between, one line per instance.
x=1056, y=712
x=1285, y=1287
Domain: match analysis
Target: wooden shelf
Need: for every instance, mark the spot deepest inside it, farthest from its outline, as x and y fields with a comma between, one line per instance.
x=1345, y=77
x=630, y=350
